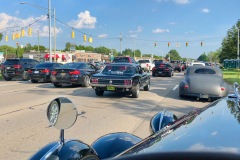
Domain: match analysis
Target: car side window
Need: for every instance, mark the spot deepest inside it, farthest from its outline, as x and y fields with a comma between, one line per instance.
x=91, y=67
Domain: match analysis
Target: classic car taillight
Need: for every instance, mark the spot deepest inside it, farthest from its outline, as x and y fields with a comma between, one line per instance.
x=222, y=88
x=94, y=80
x=147, y=64
x=54, y=72
x=17, y=66
x=75, y=72
x=29, y=71
x=186, y=86
x=154, y=69
x=127, y=82
x=45, y=71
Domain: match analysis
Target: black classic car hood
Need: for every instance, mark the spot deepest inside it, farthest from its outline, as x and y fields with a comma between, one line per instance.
x=216, y=127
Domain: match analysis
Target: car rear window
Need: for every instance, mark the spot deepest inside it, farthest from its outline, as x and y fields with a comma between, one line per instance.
x=119, y=70
x=42, y=65
x=160, y=65
x=144, y=61
x=73, y=65
x=204, y=71
x=11, y=62
x=121, y=59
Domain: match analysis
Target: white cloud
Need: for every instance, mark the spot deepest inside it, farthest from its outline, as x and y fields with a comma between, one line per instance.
x=9, y=23
x=172, y=23
x=84, y=21
x=133, y=36
x=44, y=31
x=205, y=10
x=181, y=1
x=189, y=32
x=102, y=35
x=17, y=12
x=138, y=30
x=158, y=30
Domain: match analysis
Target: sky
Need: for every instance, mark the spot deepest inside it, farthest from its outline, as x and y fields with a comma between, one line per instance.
x=139, y=23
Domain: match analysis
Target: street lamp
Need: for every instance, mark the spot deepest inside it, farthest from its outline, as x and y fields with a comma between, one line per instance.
x=49, y=17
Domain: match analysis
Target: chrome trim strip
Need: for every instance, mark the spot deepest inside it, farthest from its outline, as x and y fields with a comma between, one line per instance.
x=105, y=85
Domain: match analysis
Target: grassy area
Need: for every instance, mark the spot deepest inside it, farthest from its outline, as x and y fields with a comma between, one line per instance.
x=1, y=77
x=231, y=75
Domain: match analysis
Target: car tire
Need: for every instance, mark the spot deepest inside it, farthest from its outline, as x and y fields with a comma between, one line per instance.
x=136, y=91
x=86, y=81
x=57, y=85
x=170, y=74
x=25, y=76
x=179, y=70
x=34, y=81
x=99, y=92
x=147, y=87
x=7, y=78
x=153, y=74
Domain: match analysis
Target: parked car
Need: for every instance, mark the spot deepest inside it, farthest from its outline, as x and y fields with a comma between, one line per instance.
x=42, y=72
x=177, y=65
x=123, y=60
x=203, y=82
x=74, y=73
x=121, y=77
x=146, y=64
x=17, y=68
x=211, y=132
x=162, y=69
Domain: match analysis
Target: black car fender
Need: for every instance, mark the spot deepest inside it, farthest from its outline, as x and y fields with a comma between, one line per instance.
x=112, y=144
x=135, y=80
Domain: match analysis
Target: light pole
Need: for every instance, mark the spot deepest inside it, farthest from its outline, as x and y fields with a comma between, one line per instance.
x=49, y=17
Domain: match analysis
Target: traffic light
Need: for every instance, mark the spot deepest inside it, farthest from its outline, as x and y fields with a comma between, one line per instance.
x=17, y=35
x=201, y=44
x=168, y=44
x=72, y=35
x=155, y=44
x=90, y=40
x=6, y=38
x=13, y=36
x=186, y=44
x=84, y=37
x=29, y=31
x=22, y=32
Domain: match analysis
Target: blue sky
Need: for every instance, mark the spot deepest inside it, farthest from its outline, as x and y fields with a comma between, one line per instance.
x=141, y=22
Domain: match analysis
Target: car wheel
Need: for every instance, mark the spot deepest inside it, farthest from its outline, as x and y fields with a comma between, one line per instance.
x=34, y=81
x=136, y=91
x=7, y=78
x=153, y=74
x=57, y=85
x=147, y=87
x=99, y=92
x=25, y=76
x=170, y=74
x=179, y=70
x=86, y=81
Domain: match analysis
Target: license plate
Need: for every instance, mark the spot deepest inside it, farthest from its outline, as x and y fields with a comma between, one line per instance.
x=110, y=88
x=63, y=74
x=36, y=71
x=203, y=96
x=8, y=67
x=160, y=72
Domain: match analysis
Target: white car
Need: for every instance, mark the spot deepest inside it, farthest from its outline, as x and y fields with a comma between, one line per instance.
x=146, y=64
x=197, y=64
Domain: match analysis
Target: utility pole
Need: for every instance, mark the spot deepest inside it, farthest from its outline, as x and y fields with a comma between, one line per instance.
x=38, y=41
x=50, y=43
x=54, y=15
x=121, y=43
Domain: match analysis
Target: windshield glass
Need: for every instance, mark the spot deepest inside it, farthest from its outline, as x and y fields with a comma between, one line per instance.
x=73, y=65
x=11, y=62
x=119, y=70
x=143, y=61
x=42, y=65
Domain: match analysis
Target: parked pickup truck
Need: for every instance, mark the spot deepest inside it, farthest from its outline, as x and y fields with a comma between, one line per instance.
x=146, y=64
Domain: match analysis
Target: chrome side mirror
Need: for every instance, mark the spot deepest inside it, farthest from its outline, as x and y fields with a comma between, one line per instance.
x=61, y=113
x=161, y=120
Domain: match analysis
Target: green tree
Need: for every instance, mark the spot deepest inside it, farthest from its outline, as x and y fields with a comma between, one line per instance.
x=41, y=48
x=147, y=55
x=67, y=46
x=214, y=56
x=1, y=35
x=138, y=53
x=102, y=50
x=127, y=52
x=174, y=55
x=229, y=44
x=8, y=51
x=203, y=57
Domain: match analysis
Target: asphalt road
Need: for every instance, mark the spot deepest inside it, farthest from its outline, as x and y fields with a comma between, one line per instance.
x=25, y=128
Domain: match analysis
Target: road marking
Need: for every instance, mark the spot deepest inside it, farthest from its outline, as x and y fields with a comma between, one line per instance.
x=175, y=87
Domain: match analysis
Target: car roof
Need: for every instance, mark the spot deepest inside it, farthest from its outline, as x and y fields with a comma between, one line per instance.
x=123, y=63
